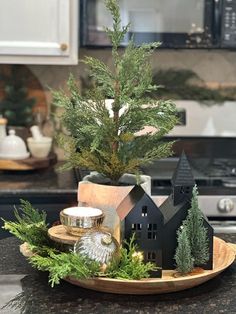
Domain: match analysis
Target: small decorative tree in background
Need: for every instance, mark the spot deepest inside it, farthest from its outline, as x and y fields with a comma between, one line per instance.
x=192, y=238
x=16, y=106
x=183, y=256
x=108, y=140
x=196, y=231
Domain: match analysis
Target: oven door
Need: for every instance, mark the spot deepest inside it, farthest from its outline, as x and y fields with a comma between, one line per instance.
x=175, y=23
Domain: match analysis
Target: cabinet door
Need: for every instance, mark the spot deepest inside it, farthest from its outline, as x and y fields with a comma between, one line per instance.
x=39, y=32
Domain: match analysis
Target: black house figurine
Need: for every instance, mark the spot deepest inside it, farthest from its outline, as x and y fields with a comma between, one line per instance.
x=156, y=227
x=142, y=217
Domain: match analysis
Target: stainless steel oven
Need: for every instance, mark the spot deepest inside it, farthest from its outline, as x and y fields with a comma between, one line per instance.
x=176, y=23
x=209, y=140
x=217, y=187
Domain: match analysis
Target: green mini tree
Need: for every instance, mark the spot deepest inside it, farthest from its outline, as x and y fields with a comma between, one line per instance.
x=108, y=140
x=183, y=257
x=196, y=231
x=16, y=106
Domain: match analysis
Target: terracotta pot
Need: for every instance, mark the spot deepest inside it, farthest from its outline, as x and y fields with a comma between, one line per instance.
x=108, y=197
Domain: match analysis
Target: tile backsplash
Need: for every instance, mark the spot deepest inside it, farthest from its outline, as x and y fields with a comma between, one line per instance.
x=216, y=67
x=213, y=66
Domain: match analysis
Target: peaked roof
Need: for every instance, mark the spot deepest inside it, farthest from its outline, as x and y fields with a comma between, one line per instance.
x=168, y=209
x=128, y=203
x=183, y=175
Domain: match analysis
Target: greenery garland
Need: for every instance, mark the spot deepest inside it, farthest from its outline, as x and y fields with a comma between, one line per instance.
x=30, y=226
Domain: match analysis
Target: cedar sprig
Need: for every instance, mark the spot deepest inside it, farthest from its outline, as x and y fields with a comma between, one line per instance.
x=130, y=266
x=63, y=265
x=29, y=226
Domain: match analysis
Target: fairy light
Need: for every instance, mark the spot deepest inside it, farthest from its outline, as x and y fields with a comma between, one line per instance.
x=138, y=256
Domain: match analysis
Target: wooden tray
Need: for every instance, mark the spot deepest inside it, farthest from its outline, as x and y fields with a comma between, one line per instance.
x=28, y=164
x=224, y=255
x=58, y=234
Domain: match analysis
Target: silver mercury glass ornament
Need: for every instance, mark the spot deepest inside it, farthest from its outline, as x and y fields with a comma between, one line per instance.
x=98, y=245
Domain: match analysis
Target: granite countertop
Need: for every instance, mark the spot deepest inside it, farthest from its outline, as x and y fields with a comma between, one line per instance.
x=27, y=291
x=48, y=181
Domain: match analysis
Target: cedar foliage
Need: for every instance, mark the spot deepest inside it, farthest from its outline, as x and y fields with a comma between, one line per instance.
x=61, y=265
x=196, y=231
x=30, y=226
x=130, y=265
x=101, y=138
x=183, y=256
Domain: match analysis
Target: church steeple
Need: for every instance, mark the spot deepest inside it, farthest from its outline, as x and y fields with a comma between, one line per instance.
x=182, y=181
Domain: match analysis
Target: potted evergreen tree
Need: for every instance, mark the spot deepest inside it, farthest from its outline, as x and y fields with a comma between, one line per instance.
x=110, y=138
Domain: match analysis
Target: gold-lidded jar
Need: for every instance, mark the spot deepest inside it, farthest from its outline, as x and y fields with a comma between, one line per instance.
x=79, y=220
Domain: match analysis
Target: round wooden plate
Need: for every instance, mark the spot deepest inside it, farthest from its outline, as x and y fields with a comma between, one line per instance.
x=30, y=163
x=58, y=234
x=224, y=255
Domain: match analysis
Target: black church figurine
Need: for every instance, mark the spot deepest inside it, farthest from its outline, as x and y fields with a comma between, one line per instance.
x=182, y=181
x=175, y=209
x=142, y=217
x=156, y=227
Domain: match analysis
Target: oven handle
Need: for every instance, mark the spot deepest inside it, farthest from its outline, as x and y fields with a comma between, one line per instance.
x=217, y=21
x=224, y=229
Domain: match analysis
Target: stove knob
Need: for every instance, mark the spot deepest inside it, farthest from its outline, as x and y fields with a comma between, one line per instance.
x=225, y=205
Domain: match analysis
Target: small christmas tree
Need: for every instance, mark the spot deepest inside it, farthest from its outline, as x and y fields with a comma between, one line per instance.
x=196, y=231
x=183, y=256
x=16, y=106
x=111, y=140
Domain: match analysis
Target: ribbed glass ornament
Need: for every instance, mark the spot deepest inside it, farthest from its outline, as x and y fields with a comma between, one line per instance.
x=98, y=245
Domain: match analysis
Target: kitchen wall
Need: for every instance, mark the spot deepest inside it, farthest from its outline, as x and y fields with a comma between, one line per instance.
x=216, y=67
x=213, y=66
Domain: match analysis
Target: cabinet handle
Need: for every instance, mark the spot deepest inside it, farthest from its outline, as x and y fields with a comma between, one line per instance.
x=64, y=47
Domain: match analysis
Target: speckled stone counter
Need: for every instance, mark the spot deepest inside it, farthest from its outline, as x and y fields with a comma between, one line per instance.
x=46, y=189
x=44, y=181
x=27, y=291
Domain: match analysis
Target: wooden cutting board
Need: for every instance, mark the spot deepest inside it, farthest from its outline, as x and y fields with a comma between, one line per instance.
x=28, y=164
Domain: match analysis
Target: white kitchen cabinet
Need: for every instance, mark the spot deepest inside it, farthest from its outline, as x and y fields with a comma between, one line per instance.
x=39, y=32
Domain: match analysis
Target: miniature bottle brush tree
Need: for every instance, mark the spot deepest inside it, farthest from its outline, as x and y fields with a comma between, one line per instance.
x=107, y=141
x=193, y=242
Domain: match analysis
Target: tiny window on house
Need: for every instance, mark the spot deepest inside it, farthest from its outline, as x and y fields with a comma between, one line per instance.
x=151, y=226
x=151, y=256
x=144, y=211
x=136, y=228
x=185, y=190
x=152, y=231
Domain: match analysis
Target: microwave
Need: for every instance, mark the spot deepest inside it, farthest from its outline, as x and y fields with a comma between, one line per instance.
x=175, y=23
